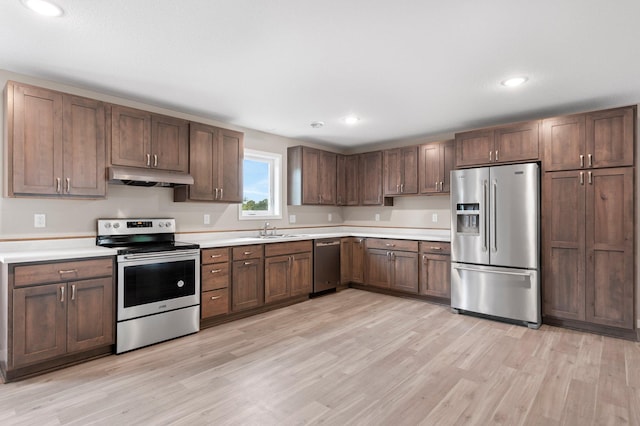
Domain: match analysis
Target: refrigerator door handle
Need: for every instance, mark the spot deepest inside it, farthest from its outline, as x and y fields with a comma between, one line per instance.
x=484, y=215
x=464, y=268
x=495, y=216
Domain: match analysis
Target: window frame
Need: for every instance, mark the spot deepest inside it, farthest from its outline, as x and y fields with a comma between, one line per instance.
x=275, y=186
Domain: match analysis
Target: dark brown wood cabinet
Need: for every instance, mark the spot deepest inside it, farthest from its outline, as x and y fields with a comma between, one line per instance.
x=311, y=176
x=392, y=264
x=56, y=143
x=215, y=277
x=400, y=172
x=503, y=144
x=371, y=173
x=435, y=164
x=593, y=140
x=352, y=260
x=247, y=286
x=435, y=270
x=347, y=180
x=288, y=270
x=588, y=246
x=143, y=139
x=59, y=309
x=215, y=162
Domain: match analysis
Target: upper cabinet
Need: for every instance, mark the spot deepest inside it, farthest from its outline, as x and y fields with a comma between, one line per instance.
x=215, y=164
x=504, y=144
x=311, y=176
x=593, y=140
x=55, y=143
x=436, y=161
x=347, y=180
x=142, y=139
x=401, y=171
x=371, y=179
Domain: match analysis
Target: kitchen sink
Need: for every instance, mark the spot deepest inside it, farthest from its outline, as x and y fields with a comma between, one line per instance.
x=275, y=236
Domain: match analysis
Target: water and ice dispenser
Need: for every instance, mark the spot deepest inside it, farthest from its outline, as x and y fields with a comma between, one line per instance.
x=468, y=218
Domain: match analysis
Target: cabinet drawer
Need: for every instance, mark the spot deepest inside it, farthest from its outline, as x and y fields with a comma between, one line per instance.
x=215, y=255
x=437, y=247
x=25, y=275
x=215, y=302
x=215, y=276
x=278, y=249
x=386, y=244
x=248, y=252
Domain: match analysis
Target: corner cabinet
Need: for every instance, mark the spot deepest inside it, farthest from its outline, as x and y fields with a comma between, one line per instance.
x=55, y=143
x=435, y=164
x=371, y=180
x=59, y=311
x=215, y=162
x=311, y=176
x=142, y=139
x=347, y=187
x=392, y=264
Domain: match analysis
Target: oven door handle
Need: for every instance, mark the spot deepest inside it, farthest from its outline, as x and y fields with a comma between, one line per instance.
x=160, y=255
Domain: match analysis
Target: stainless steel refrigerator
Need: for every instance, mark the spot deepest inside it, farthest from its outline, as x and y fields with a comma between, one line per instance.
x=495, y=242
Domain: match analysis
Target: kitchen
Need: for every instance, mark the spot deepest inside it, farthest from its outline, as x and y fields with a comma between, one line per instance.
x=409, y=212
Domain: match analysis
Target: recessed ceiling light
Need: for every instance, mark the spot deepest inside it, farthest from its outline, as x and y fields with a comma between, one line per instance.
x=43, y=7
x=351, y=119
x=317, y=124
x=514, y=81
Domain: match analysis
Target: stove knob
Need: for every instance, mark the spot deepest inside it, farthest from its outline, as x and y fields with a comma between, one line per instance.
x=116, y=225
x=107, y=225
x=168, y=224
x=160, y=225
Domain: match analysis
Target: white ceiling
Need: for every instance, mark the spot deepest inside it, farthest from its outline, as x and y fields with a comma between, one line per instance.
x=407, y=68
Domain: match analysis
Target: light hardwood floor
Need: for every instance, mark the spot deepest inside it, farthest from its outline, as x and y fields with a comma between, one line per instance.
x=349, y=358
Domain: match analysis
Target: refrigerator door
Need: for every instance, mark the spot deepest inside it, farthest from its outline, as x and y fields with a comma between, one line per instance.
x=501, y=292
x=469, y=221
x=514, y=218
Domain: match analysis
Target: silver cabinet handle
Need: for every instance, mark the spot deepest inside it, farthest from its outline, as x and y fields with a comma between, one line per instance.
x=214, y=256
x=590, y=160
x=67, y=271
x=221, y=193
x=397, y=188
x=215, y=297
x=435, y=248
x=402, y=187
x=389, y=245
x=215, y=271
x=62, y=294
x=590, y=178
x=581, y=160
x=58, y=185
x=155, y=160
x=248, y=263
x=424, y=259
x=247, y=253
x=581, y=178
x=148, y=160
x=436, y=185
x=68, y=190
x=496, y=155
x=73, y=292
x=490, y=156
x=215, y=197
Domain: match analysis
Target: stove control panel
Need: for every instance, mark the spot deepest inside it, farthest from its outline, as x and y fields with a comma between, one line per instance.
x=136, y=226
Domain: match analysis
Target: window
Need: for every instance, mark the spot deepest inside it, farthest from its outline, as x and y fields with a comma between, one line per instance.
x=261, y=185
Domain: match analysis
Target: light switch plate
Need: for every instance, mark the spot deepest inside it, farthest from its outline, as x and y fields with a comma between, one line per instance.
x=207, y=219
x=434, y=217
x=377, y=217
x=292, y=218
x=39, y=220
x=329, y=217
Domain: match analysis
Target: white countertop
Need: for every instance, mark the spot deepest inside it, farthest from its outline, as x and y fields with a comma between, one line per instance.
x=74, y=248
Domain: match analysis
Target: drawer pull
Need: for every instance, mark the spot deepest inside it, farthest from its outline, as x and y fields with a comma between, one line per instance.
x=215, y=271
x=248, y=263
x=435, y=248
x=215, y=297
x=247, y=253
x=214, y=256
x=68, y=271
x=390, y=245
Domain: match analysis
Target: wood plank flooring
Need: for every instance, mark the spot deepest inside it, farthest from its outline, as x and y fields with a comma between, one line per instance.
x=348, y=358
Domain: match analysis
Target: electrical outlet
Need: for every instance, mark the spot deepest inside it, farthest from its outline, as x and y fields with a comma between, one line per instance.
x=329, y=217
x=292, y=218
x=377, y=217
x=39, y=220
x=434, y=217
x=207, y=219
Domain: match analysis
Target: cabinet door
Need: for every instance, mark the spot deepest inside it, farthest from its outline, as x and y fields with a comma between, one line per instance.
x=35, y=130
x=247, y=284
x=474, y=148
x=39, y=323
x=610, y=137
x=378, y=270
x=84, y=147
x=609, y=242
x=519, y=142
x=277, y=284
x=357, y=261
x=392, y=171
x=409, y=179
x=371, y=178
x=346, y=245
x=430, y=173
x=564, y=142
x=169, y=143
x=202, y=146
x=229, y=164
x=90, y=314
x=301, y=280
x=347, y=180
x=405, y=271
x=435, y=275
x=310, y=175
x=327, y=178
x=130, y=137
x=564, y=245
x=447, y=160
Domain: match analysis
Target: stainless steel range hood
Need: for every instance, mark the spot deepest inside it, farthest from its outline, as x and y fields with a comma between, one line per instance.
x=148, y=177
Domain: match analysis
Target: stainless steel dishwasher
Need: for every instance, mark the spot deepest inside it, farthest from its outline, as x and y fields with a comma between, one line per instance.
x=326, y=264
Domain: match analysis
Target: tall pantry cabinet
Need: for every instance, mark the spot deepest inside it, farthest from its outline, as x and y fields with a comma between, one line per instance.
x=588, y=220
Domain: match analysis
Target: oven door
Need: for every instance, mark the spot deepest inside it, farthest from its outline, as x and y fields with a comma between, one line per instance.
x=152, y=283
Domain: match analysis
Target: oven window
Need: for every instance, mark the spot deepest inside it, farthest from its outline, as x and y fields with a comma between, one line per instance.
x=158, y=281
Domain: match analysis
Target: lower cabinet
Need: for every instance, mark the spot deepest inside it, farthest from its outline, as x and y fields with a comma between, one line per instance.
x=59, y=309
x=215, y=276
x=392, y=264
x=247, y=287
x=435, y=269
x=288, y=270
x=352, y=260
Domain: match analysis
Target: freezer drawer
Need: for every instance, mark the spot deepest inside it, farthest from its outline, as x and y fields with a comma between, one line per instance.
x=501, y=292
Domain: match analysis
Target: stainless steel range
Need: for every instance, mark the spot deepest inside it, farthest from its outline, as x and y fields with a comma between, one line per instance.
x=158, y=281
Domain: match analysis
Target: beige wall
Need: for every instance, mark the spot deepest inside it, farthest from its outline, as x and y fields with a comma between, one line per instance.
x=77, y=217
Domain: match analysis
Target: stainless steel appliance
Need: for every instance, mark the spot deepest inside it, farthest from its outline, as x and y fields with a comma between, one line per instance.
x=326, y=264
x=158, y=281
x=495, y=242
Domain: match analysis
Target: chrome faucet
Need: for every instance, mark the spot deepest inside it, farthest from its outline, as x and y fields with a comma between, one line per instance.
x=265, y=228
